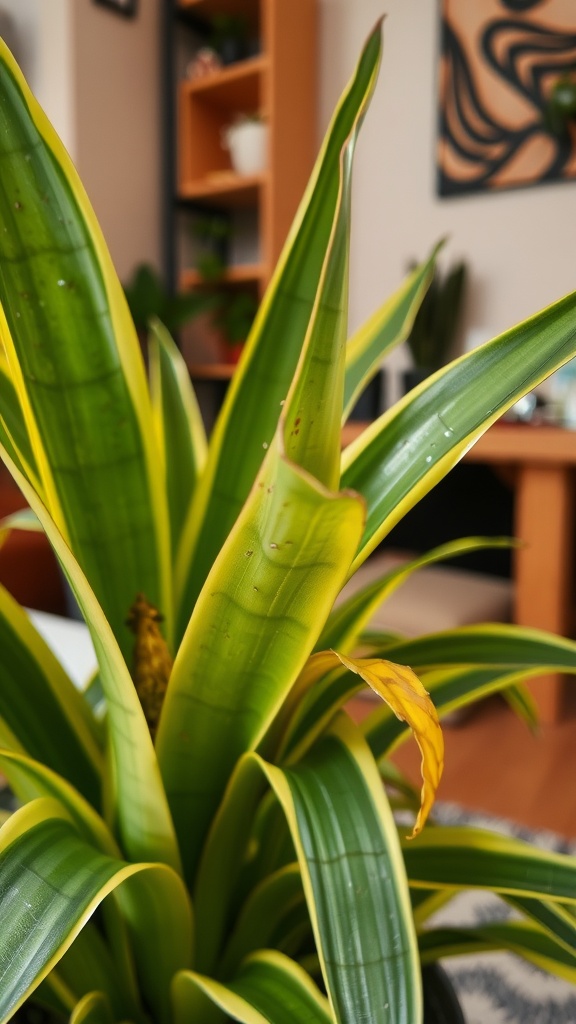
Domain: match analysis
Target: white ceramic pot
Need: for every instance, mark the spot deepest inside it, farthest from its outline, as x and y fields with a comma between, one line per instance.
x=247, y=143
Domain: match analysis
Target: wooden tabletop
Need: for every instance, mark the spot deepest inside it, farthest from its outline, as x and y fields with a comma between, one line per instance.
x=537, y=444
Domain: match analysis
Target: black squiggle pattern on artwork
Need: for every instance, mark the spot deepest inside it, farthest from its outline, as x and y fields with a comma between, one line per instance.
x=527, y=56
x=519, y=5
x=529, y=39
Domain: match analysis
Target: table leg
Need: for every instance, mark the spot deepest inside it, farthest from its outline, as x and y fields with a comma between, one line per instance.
x=543, y=565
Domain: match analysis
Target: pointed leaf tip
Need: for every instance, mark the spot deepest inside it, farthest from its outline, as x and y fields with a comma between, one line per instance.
x=401, y=689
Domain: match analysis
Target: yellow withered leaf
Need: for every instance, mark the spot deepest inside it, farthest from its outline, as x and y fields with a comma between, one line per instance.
x=152, y=663
x=401, y=689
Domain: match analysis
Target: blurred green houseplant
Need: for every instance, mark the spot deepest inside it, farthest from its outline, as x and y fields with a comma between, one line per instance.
x=229, y=37
x=232, y=309
x=235, y=856
x=560, y=109
x=433, y=333
x=149, y=298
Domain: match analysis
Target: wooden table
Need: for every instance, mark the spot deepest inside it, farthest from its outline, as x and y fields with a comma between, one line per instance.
x=540, y=461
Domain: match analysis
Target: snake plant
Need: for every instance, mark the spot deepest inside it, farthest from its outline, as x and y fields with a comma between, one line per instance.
x=219, y=842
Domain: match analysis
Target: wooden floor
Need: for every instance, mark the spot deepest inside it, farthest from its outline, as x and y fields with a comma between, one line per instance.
x=494, y=764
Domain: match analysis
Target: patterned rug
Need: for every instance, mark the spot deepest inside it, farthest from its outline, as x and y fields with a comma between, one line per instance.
x=500, y=988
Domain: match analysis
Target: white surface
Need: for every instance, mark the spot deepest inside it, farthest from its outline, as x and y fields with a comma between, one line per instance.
x=71, y=643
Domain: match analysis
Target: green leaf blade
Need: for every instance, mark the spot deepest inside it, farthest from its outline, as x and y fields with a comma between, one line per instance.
x=269, y=988
x=222, y=859
x=249, y=417
x=93, y=1008
x=470, y=858
x=51, y=881
x=30, y=780
x=280, y=990
x=516, y=937
x=354, y=881
x=41, y=707
x=47, y=884
x=491, y=644
x=409, y=449
x=385, y=329
x=88, y=965
x=143, y=817
x=466, y=664
x=57, y=284
x=181, y=435
x=351, y=615
x=252, y=629
x=14, y=430
x=556, y=919
x=263, y=920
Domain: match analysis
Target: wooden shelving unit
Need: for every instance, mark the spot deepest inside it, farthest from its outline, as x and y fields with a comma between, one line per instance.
x=222, y=187
x=211, y=7
x=279, y=82
x=212, y=371
x=244, y=273
x=237, y=85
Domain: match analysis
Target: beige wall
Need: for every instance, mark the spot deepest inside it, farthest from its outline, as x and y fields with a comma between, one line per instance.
x=97, y=76
x=40, y=36
x=55, y=69
x=118, y=130
x=519, y=244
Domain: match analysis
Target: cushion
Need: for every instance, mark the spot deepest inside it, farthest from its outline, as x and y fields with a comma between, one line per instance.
x=434, y=598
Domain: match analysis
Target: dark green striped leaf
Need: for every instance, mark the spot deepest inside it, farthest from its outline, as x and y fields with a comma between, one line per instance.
x=83, y=378
x=470, y=858
x=250, y=414
x=354, y=880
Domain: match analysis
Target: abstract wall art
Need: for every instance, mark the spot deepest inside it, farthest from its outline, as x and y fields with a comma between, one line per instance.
x=503, y=65
x=127, y=8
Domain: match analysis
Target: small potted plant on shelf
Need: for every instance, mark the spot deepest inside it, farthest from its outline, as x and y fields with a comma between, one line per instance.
x=233, y=312
x=231, y=307
x=433, y=334
x=149, y=298
x=229, y=37
x=203, y=834
x=246, y=139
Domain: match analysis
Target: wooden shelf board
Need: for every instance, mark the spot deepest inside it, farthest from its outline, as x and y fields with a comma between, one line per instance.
x=237, y=85
x=211, y=371
x=226, y=187
x=208, y=8
x=245, y=273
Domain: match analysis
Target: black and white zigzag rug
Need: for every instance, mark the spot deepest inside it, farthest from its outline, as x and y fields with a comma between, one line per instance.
x=500, y=988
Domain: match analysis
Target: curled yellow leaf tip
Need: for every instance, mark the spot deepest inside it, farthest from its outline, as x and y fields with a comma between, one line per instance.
x=401, y=689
